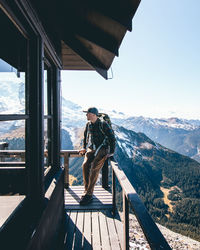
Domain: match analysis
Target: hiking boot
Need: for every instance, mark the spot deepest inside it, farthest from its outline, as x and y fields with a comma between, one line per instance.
x=86, y=199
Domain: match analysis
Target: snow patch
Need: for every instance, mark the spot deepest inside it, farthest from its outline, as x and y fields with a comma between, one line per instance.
x=71, y=133
x=146, y=145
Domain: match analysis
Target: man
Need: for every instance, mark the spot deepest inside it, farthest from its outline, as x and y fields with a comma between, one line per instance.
x=98, y=145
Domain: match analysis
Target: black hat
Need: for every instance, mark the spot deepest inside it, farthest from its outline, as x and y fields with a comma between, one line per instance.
x=92, y=110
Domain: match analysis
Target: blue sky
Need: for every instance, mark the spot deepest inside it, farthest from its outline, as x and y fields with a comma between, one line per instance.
x=157, y=73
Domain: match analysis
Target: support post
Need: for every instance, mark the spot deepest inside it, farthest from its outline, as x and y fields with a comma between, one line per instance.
x=35, y=122
x=126, y=222
x=49, y=121
x=113, y=192
x=56, y=141
x=105, y=175
x=66, y=166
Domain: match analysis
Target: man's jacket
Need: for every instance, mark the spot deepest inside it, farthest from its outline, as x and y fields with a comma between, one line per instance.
x=99, y=134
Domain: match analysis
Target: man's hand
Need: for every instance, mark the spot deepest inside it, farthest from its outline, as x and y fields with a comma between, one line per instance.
x=82, y=151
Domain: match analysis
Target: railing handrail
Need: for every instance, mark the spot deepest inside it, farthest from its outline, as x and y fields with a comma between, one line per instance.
x=22, y=151
x=152, y=233
x=11, y=152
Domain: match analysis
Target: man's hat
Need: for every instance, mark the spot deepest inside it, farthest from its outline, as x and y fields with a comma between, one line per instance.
x=92, y=110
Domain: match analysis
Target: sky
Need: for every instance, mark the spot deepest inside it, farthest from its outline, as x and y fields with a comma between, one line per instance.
x=157, y=73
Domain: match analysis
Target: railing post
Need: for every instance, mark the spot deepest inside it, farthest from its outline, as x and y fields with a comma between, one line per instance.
x=126, y=222
x=66, y=166
x=113, y=191
x=3, y=146
x=105, y=175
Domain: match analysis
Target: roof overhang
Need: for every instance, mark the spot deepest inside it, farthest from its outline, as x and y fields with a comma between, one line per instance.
x=90, y=32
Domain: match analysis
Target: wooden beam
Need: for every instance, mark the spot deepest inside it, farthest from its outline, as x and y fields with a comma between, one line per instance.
x=35, y=123
x=98, y=37
x=13, y=117
x=32, y=18
x=56, y=140
x=82, y=51
x=119, y=10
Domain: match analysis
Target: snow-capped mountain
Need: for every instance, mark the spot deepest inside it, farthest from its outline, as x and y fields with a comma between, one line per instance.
x=181, y=135
x=133, y=144
x=143, y=123
x=11, y=94
x=73, y=116
x=12, y=99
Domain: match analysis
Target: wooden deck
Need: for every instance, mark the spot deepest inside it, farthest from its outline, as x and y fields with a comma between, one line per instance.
x=92, y=226
x=102, y=199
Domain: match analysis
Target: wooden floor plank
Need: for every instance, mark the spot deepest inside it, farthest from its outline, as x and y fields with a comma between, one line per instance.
x=72, y=228
x=112, y=231
x=119, y=228
x=87, y=240
x=67, y=226
x=105, y=241
x=79, y=231
x=96, y=242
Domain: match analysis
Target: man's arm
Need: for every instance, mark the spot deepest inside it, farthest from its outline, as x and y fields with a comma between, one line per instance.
x=83, y=150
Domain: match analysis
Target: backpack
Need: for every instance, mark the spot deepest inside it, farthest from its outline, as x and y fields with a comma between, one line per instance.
x=106, y=118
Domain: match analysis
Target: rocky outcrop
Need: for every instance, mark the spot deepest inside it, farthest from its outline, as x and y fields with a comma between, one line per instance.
x=175, y=240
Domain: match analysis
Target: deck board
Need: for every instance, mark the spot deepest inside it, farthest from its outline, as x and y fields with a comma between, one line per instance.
x=87, y=240
x=105, y=241
x=96, y=239
x=71, y=231
x=79, y=231
x=114, y=239
x=102, y=199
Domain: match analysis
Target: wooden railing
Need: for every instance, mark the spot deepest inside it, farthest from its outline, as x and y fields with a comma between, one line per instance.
x=20, y=154
x=66, y=154
x=153, y=235
x=130, y=198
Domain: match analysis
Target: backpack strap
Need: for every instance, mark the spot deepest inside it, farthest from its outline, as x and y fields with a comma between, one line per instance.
x=101, y=127
x=104, y=141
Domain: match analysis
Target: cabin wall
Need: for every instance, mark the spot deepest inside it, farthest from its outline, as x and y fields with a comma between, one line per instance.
x=34, y=223
x=52, y=218
x=13, y=180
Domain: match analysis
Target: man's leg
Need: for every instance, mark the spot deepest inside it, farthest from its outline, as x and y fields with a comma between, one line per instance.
x=89, y=157
x=96, y=166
